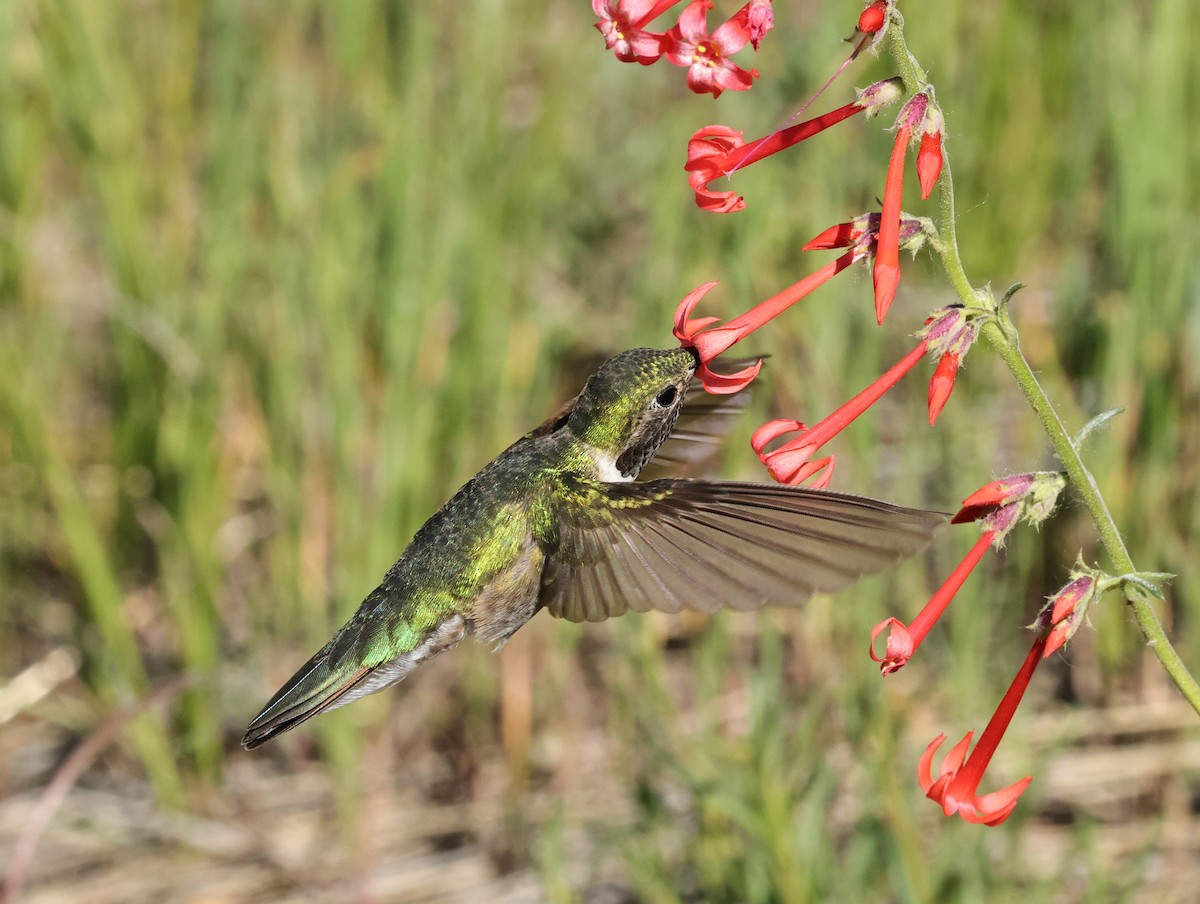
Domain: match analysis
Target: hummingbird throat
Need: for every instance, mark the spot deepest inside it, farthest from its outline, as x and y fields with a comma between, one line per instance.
x=630, y=462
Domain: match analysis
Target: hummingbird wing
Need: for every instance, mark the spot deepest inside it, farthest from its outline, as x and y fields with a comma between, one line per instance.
x=709, y=545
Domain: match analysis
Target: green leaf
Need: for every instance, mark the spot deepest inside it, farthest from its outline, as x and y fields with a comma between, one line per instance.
x=1096, y=423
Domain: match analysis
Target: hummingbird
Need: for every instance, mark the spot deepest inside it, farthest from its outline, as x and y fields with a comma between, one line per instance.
x=559, y=521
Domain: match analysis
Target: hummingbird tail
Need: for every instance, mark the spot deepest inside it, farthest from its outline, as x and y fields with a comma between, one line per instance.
x=313, y=689
x=340, y=674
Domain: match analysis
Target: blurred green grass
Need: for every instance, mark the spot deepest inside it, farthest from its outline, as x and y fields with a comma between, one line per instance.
x=275, y=279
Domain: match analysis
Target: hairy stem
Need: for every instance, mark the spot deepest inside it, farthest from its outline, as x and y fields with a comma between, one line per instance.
x=1001, y=335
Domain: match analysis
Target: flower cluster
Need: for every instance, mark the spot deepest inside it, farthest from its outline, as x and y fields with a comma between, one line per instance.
x=794, y=452
x=997, y=507
x=957, y=783
x=688, y=43
x=877, y=238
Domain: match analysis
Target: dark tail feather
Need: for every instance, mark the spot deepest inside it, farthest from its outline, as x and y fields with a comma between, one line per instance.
x=313, y=689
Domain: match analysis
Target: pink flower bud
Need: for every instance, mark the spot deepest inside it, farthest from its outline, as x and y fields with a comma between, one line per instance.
x=874, y=98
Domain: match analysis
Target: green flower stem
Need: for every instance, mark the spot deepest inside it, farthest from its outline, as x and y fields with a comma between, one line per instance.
x=911, y=71
x=1001, y=335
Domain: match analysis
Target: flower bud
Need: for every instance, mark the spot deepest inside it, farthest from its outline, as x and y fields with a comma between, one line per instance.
x=929, y=154
x=873, y=18
x=874, y=98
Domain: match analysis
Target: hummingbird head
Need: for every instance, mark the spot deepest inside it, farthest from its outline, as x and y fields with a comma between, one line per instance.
x=628, y=407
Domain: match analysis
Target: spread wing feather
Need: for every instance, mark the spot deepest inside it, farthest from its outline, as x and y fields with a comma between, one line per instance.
x=708, y=545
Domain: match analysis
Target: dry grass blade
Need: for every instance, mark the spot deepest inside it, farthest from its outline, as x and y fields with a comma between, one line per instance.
x=68, y=774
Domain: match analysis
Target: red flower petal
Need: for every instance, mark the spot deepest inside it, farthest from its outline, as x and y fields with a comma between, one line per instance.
x=727, y=384
x=886, y=273
x=1056, y=638
x=941, y=385
x=873, y=17
x=841, y=235
x=929, y=162
x=899, y=648
x=772, y=430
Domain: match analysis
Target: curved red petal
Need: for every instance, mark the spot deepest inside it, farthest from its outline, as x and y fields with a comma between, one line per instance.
x=733, y=77
x=731, y=36
x=693, y=21
x=701, y=79
x=685, y=328
x=727, y=384
x=793, y=468
x=772, y=430
x=899, y=647
x=823, y=481
x=711, y=343
x=953, y=760
x=992, y=809
x=719, y=201
x=925, y=763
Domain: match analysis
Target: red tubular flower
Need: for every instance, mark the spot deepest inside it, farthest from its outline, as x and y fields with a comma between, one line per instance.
x=622, y=23
x=709, y=343
x=950, y=332
x=903, y=640
x=862, y=233
x=790, y=463
x=1069, y=597
x=1063, y=611
x=941, y=385
x=868, y=32
x=886, y=274
x=716, y=150
x=957, y=783
x=706, y=56
x=843, y=235
x=1034, y=495
x=929, y=154
x=992, y=495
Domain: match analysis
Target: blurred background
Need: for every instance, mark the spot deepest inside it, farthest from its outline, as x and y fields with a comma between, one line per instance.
x=275, y=279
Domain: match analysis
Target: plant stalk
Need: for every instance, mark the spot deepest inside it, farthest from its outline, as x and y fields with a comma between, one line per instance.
x=1001, y=335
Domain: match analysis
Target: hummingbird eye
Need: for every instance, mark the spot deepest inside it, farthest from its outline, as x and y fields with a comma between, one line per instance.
x=665, y=398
